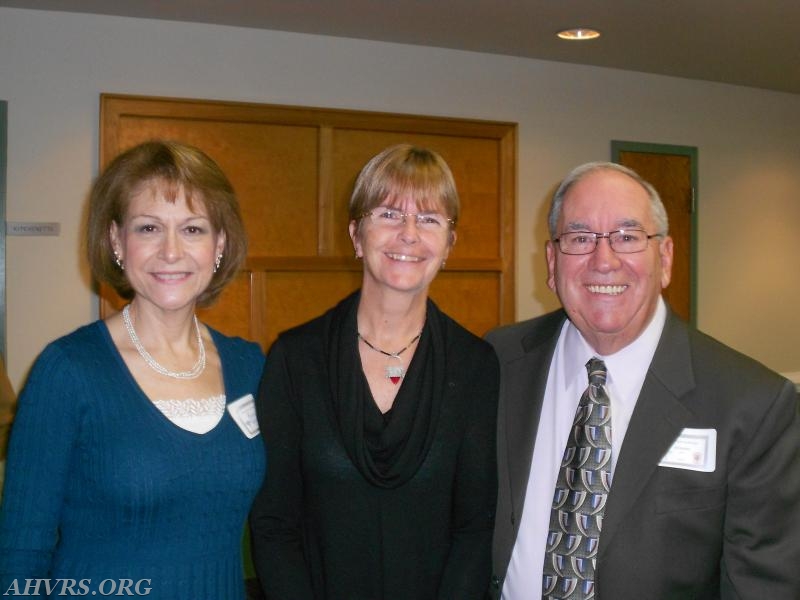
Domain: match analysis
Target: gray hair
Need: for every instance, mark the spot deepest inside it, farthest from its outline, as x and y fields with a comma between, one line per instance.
x=657, y=209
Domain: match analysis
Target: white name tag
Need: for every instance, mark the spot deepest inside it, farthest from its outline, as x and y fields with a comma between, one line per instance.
x=243, y=412
x=695, y=450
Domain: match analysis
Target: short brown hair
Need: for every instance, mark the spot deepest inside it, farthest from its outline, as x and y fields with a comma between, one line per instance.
x=406, y=169
x=175, y=166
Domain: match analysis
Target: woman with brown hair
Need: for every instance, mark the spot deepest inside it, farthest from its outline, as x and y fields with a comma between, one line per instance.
x=379, y=417
x=132, y=461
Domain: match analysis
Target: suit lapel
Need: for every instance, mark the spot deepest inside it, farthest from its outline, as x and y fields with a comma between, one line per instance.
x=527, y=376
x=657, y=420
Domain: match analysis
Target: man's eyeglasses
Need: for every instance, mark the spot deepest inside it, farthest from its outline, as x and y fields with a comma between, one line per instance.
x=393, y=218
x=622, y=241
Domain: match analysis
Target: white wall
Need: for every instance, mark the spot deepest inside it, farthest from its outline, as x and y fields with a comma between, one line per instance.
x=53, y=66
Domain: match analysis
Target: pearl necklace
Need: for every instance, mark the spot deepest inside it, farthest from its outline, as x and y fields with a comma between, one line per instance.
x=198, y=368
x=394, y=373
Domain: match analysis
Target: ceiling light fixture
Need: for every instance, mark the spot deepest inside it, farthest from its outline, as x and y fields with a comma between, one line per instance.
x=579, y=33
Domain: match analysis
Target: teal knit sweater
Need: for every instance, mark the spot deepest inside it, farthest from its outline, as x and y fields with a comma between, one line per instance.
x=104, y=491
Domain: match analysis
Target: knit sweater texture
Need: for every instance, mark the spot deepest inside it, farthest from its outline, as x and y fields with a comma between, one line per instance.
x=103, y=490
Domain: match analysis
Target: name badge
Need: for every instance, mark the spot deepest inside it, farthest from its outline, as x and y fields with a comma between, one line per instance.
x=695, y=450
x=243, y=412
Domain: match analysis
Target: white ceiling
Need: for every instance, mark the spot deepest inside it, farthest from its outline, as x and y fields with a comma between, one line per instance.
x=743, y=42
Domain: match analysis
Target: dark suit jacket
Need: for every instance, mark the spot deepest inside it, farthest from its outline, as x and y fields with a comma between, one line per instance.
x=667, y=532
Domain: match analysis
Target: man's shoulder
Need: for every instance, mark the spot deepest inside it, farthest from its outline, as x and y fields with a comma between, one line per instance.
x=714, y=364
x=723, y=359
x=518, y=337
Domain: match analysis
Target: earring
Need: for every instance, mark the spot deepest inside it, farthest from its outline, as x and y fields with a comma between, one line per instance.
x=444, y=262
x=217, y=262
x=118, y=260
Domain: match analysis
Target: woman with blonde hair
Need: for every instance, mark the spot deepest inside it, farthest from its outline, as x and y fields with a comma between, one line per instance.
x=379, y=417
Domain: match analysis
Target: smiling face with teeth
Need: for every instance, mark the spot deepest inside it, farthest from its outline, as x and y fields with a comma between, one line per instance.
x=609, y=297
x=168, y=248
x=405, y=258
x=402, y=257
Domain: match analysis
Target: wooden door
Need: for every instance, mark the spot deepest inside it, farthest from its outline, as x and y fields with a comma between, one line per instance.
x=671, y=170
x=293, y=170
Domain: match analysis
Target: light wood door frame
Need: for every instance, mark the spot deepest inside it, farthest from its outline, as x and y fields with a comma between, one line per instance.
x=618, y=147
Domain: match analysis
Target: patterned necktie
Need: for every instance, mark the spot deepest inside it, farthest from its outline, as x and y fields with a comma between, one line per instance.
x=584, y=480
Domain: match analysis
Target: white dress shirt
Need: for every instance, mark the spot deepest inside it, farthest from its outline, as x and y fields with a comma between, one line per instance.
x=566, y=382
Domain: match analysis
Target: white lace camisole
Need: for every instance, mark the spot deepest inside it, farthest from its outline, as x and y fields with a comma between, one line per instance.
x=197, y=416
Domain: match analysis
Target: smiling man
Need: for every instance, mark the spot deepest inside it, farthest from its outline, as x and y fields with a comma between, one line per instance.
x=638, y=458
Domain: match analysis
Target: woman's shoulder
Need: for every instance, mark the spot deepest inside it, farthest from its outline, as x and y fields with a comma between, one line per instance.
x=308, y=330
x=460, y=337
x=83, y=341
x=70, y=357
x=316, y=328
x=231, y=347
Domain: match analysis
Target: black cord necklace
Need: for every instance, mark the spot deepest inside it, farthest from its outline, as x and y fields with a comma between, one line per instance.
x=394, y=373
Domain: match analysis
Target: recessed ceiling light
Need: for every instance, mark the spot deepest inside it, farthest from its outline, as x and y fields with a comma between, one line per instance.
x=579, y=33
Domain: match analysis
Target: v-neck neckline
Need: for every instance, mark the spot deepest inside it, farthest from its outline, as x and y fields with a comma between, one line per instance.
x=152, y=409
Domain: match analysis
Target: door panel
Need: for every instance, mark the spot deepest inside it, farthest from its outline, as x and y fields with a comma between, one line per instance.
x=671, y=171
x=294, y=169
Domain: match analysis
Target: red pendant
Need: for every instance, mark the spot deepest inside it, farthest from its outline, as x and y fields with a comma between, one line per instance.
x=395, y=374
